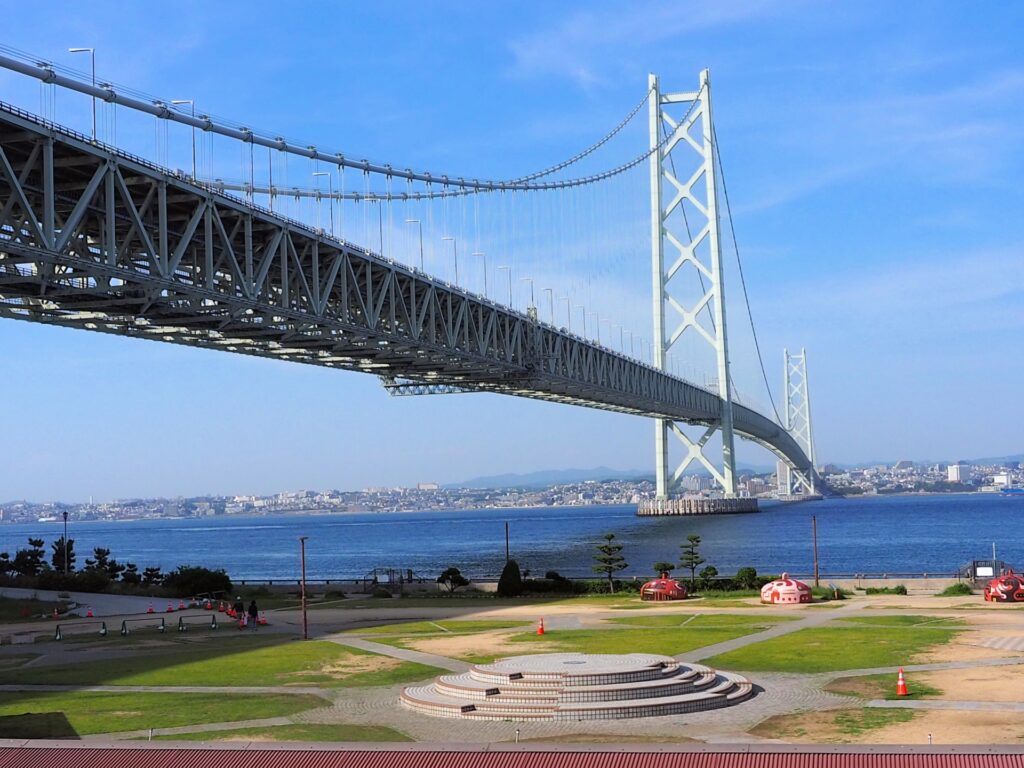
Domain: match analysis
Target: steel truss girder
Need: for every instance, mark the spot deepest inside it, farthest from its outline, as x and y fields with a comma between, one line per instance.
x=102, y=241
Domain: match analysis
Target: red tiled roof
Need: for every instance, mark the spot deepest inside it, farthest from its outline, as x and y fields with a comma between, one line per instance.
x=83, y=755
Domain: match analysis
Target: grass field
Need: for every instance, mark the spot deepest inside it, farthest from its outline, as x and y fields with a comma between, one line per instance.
x=880, y=687
x=67, y=715
x=838, y=647
x=702, y=620
x=903, y=621
x=299, y=732
x=233, y=662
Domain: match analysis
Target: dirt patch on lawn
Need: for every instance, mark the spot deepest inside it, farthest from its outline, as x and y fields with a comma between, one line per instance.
x=964, y=647
x=480, y=644
x=350, y=666
x=980, y=684
x=952, y=728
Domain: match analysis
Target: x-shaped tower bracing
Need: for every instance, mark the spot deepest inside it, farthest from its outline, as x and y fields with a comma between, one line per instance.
x=798, y=422
x=675, y=241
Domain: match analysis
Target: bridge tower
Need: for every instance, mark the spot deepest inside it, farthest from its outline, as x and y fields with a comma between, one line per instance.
x=797, y=422
x=685, y=231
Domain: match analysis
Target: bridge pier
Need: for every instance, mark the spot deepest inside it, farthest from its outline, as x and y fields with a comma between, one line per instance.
x=695, y=506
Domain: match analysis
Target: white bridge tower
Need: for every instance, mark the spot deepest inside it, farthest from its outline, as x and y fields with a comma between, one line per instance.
x=797, y=423
x=685, y=231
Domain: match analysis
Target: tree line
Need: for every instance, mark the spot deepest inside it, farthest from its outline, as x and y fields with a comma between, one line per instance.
x=31, y=567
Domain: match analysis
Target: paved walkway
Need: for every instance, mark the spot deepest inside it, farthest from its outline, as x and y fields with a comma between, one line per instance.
x=405, y=654
x=267, y=722
x=101, y=604
x=253, y=689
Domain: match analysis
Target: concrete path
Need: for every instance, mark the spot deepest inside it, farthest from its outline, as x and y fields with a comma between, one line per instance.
x=254, y=689
x=430, y=659
x=933, y=667
x=101, y=604
x=964, y=706
x=780, y=629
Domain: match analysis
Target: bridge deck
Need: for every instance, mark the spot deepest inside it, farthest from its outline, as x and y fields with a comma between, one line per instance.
x=96, y=239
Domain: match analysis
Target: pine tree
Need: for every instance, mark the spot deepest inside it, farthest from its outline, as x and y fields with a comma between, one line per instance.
x=57, y=558
x=608, y=560
x=691, y=558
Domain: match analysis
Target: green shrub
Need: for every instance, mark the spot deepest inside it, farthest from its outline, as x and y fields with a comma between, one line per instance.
x=899, y=589
x=510, y=584
x=380, y=592
x=956, y=590
x=196, y=580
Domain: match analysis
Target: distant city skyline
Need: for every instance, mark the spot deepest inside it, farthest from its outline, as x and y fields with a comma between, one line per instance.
x=873, y=154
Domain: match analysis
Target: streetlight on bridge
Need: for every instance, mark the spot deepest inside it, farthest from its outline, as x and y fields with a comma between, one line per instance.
x=419, y=224
x=483, y=256
x=92, y=56
x=551, y=303
x=509, y=270
x=530, y=281
x=319, y=198
x=455, y=254
x=568, y=312
x=192, y=104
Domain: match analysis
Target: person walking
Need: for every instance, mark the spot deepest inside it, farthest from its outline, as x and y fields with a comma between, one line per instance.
x=254, y=614
x=238, y=608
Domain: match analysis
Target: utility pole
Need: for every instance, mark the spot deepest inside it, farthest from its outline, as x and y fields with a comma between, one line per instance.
x=66, y=544
x=507, y=556
x=305, y=623
x=814, y=537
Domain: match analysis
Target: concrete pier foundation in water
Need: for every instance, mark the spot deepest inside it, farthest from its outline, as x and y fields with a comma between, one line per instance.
x=695, y=506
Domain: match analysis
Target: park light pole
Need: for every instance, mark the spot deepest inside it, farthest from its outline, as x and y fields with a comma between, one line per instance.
x=302, y=555
x=419, y=224
x=92, y=56
x=455, y=255
x=192, y=104
x=483, y=256
x=330, y=188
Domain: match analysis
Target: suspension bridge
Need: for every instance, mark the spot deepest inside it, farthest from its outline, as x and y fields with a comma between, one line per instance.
x=96, y=237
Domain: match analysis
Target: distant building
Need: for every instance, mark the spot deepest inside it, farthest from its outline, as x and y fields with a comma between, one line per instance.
x=1003, y=479
x=958, y=473
x=427, y=487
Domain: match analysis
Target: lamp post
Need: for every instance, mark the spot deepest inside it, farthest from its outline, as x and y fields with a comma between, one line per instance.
x=419, y=224
x=455, y=255
x=551, y=304
x=330, y=188
x=630, y=343
x=483, y=256
x=65, y=542
x=192, y=104
x=92, y=56
x=568, y=312
x=584, y=313
x=509, y=269
x=302, y=555
x=597, y=326
x=530, y=281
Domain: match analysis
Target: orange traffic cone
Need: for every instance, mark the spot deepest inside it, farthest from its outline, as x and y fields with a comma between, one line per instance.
x=208, y=606
x=181, y=605
x=220, y=608
x=540, y=626
x=170, y=607
x=150, y=609
x=901, y=684
x=55, y=614
x=88, y=613
x=263, y=619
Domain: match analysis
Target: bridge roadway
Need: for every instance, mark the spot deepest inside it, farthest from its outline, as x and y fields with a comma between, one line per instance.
x=97, y=239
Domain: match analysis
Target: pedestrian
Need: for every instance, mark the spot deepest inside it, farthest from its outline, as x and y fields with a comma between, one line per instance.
x=254, y=614
x=238, y=608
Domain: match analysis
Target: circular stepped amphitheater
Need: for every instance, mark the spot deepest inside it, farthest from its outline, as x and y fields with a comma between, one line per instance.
x=578, y=686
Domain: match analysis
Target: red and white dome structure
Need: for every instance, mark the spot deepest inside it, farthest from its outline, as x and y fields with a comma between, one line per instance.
x=663, y=588
x=1008, y=588
x=785, y=591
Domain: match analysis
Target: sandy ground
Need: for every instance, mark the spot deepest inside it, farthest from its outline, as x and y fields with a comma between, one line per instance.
x=951, y=728
x=964, y=648
x=980, y=684
x=488, y=643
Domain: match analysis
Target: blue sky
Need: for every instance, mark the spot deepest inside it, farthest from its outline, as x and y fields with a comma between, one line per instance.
x=874, y=153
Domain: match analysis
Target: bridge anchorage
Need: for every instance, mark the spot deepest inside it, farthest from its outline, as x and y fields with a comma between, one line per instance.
x=95, y=238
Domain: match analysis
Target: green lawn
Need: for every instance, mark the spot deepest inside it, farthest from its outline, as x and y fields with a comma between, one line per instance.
x=234, y=662
x=837, y=647
x=880, y=687
x=66, y=715
x=436, y=627
x=903, y=621
x=301, y=732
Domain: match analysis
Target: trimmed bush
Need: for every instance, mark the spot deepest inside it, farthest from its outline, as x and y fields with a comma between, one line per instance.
x=510, y=584
x=899, y=589
x=196, y=580
x=957, y=590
